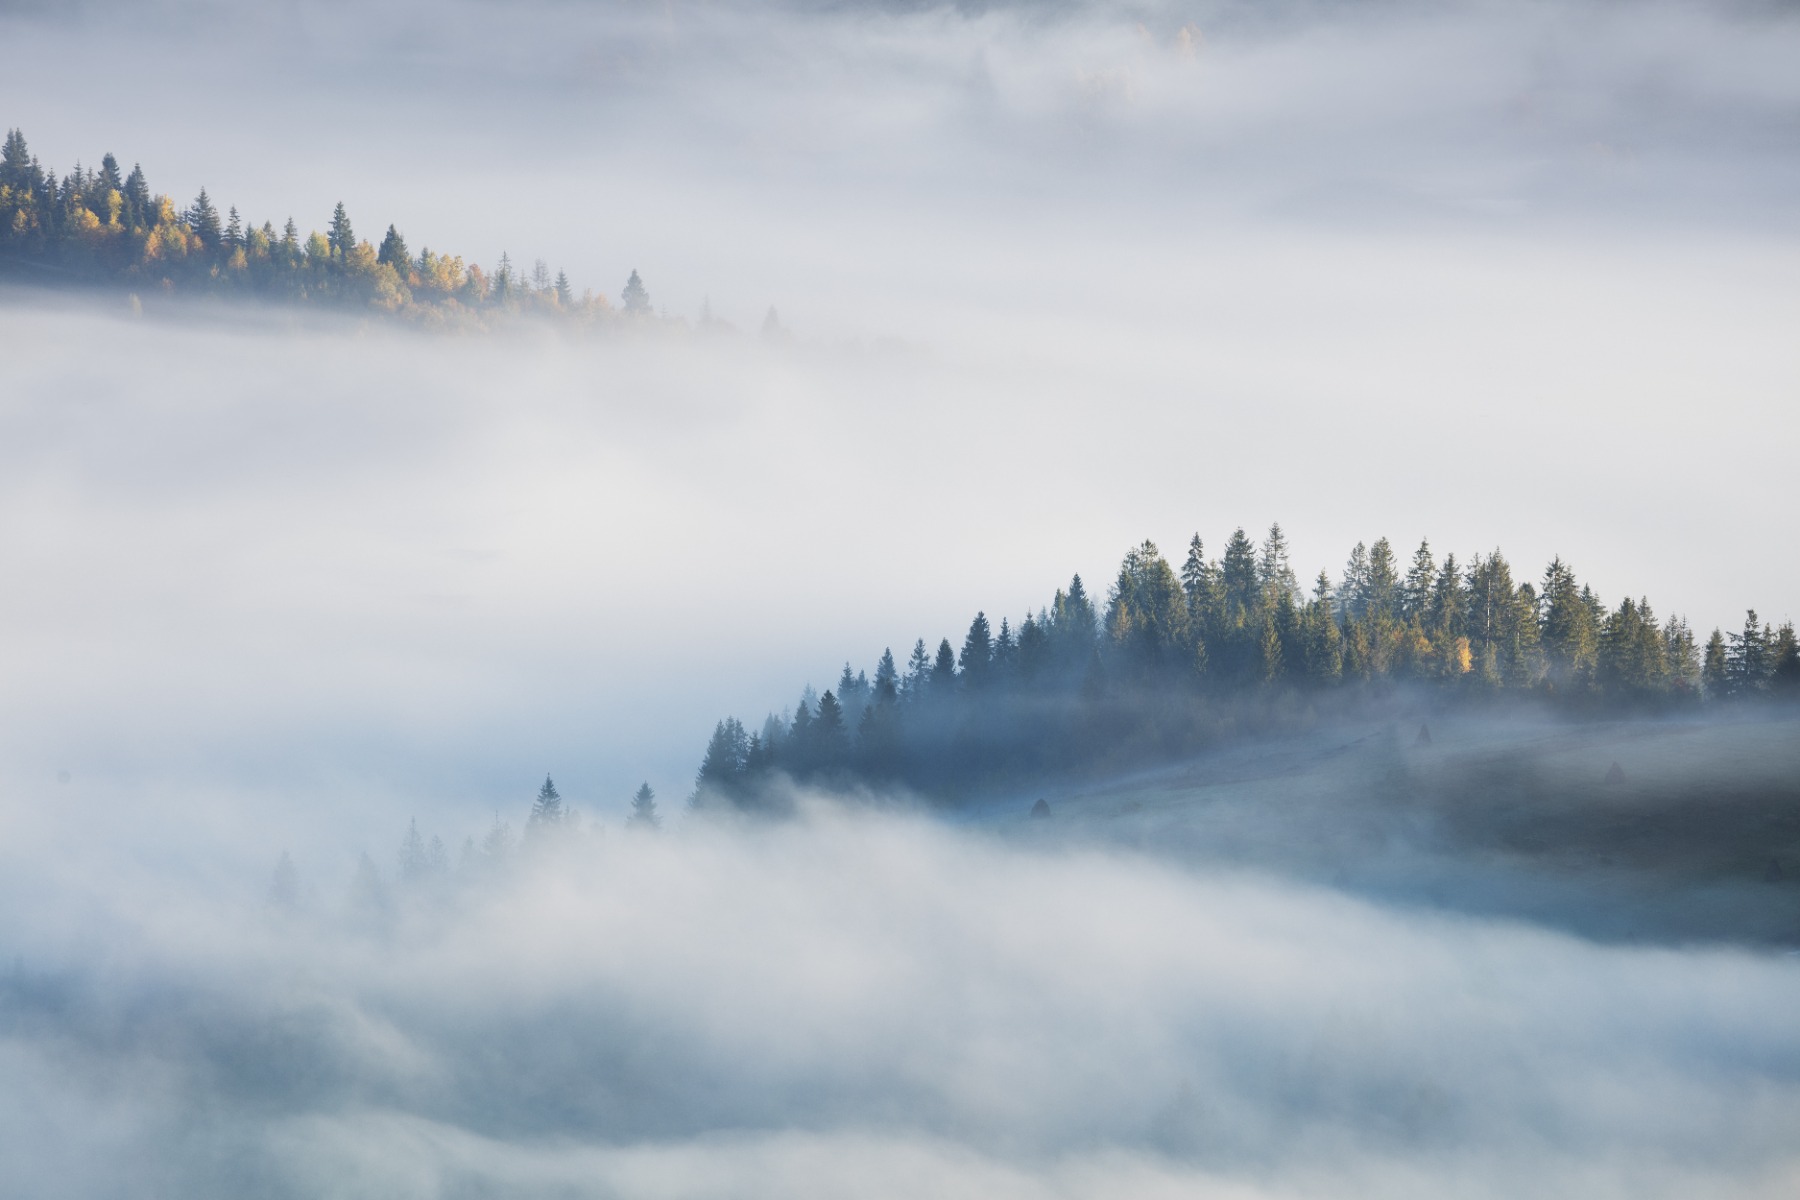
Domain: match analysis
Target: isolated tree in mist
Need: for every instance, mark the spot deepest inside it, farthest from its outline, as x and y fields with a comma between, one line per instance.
x=643, y=809
x=547, y=811
x=635, y=298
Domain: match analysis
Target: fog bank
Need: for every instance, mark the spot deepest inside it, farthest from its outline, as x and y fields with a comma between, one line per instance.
x=871, y=1006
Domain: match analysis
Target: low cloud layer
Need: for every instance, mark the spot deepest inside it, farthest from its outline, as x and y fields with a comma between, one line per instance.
x=872, y=1006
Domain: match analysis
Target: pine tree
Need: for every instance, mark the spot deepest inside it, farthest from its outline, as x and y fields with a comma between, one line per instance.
x=1714, y=674
x=977, y=651
x=635, y=298
x=564, y=297
x=1383, y=588
x=887, y=678
x=918, y=672
x=943, y=669
x=1419, y=586
x=394, y=253
x=203, y=219
x=1273, y=570
x=643, y=809
x=829, y=733
x=1747, y=659
x=1238, y=577
x=234, y=231
x=547, y=812
x=1784, y=655
x=1198, y=584
x=721, y=772
x=341, y=238
x=1353, y=589
x=137, y=197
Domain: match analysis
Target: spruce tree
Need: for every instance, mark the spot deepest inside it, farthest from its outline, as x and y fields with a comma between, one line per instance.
x=547, y=810
x=1273, y=570
x=643, y=809
x=943, y=669
x=1420, y=583
x=203, y=219
x=341, y=238
x=1714, y=674
x=635, y=298
x=977, y=651
x=393, y=252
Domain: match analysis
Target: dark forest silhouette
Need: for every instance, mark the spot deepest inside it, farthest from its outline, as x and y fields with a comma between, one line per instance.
x=1174, y=661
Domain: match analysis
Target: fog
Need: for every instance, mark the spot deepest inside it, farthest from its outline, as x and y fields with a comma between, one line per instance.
x=871, y=1006
x=1058, y=277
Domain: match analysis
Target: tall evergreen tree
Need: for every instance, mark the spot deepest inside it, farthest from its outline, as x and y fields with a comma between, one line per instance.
x=1419, y=586
x=1273, y=571
x=977, y=651
x=547, y=810
x=943, y=669
x=393, y=252
x=1714, y=673
x=341, y=238
x=635, y=297
x=643, y=809
x=203, y=219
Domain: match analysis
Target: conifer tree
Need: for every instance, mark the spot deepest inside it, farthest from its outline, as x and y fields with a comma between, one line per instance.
x=643, y=809
x=1714, y=673
x=393, y=252
x=341, y=238
x=203, y=219
x=635, y=297
x=1273, y=570
x=918, y=671
x=887, y=678
x=547, y=810
x=977, y=651
x=1419, y=586
x=1238, y=578
x=1747, y=659
x=943, y=669
x=1198, y=584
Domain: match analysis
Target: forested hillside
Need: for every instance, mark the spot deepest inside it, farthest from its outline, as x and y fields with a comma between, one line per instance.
x=107, y=227
x=1173, y=661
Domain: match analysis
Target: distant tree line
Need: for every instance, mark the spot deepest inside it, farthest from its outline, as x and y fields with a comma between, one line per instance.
x=1178, y=659
x=423, y=864
x=103, y=226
